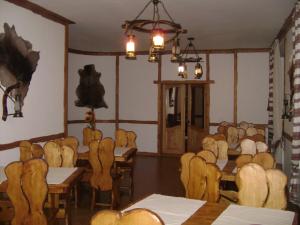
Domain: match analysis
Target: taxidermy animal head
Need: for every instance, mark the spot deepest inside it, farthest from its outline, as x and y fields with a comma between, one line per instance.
x=90, y=91
x=17, y=64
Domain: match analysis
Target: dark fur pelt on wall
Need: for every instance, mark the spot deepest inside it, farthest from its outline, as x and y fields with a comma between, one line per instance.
x=90, y=91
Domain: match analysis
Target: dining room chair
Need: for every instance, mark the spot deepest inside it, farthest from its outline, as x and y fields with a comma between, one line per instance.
x=218, y=137
x=139, y=216
x=101, y=157
x=222, y=150
x=121, y=138
x=261, y=146
x=213, y=177
x=27, y=189
x=125, y=169
x=277, y=182
x=185, y=168
x=72, y=142
x=251, y=131
x=251, y=181
x=222, y=130
x=232, y=137
x=242, y=160
x=261, y=131
x=29, y=150
x=52, y=152
x=244, y=125
x=90, y=135
x=196, y=186
x=209, y=143
x=264, y=159
x=248, y=146
x=241, y=133
x=208, y=156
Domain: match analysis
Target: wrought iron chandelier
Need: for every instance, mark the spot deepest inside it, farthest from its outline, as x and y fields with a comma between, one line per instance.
x=156, y=27
x=183, y=58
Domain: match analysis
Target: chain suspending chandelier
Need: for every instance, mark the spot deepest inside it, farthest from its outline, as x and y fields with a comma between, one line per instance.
x=157, y=27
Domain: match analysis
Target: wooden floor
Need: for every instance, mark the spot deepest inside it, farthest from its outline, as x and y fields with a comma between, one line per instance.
x=151, y=175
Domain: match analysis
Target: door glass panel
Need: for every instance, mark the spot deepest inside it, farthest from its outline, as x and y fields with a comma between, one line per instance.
x=173, y=107
x=197, y=108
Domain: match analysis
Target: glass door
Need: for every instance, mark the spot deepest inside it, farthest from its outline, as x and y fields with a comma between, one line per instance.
x=174, y=119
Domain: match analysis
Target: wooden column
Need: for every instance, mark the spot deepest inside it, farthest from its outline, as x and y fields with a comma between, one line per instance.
x=235, y=88
x=117, y=92
x=159, y=107
x=66, y=80
x=208, y=89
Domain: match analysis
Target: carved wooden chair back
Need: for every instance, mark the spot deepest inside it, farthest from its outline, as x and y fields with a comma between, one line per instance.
x=261, y=146
x=106, y=157
x=222, y=149
x=131, y=139
x=132, y=217
x=185, y=168
x=121, y=138
x=277, y=182
x=256, y=137
x=197, y=178
x=52, y=152
x=213, y=177
x=25, y=150
x=232, y=135
x=27, y=188
x=90, y=135
x=208, y=156
x=251, y=180
x=241, y=133
x=57, y=154
x=209, y=143
x=261, y=131
x=95, y=164
x=29, y=151
x=248, y=147
x=101, y=157
x=219, y=137
x=251, y=131
x=264, y=159
x=244, y=125
x=222, y=129
x=72, y=142
x=242, y=160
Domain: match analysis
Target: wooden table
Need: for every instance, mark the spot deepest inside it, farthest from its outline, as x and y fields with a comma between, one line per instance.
x=54, y=189
x=228, y=173
x=173, y=211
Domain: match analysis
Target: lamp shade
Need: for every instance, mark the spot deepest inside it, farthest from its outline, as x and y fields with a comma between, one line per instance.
x=158, y=40
x=130, y=47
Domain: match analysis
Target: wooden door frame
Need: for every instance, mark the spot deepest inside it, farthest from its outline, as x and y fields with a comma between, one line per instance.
x=161, y=85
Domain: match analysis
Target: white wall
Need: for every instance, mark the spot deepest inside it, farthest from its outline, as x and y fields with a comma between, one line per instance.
x=43, y=106
x=138, y=93
x=253, y=83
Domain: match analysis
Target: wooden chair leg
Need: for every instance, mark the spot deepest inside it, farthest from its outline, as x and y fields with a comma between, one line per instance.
x=76, y=196
x=93, y=198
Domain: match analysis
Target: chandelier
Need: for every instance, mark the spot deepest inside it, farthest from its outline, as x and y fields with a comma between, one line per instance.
x=156, y=27
x=183, y=58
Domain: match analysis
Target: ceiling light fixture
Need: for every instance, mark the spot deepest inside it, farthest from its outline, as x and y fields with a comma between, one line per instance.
x=156, y=27
x=182, y=58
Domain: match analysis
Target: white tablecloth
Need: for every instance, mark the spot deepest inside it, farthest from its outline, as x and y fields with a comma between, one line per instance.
x=119, y=151
x=172, y=210
x=2, y=175
x=243, y=215
x=54, y=176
